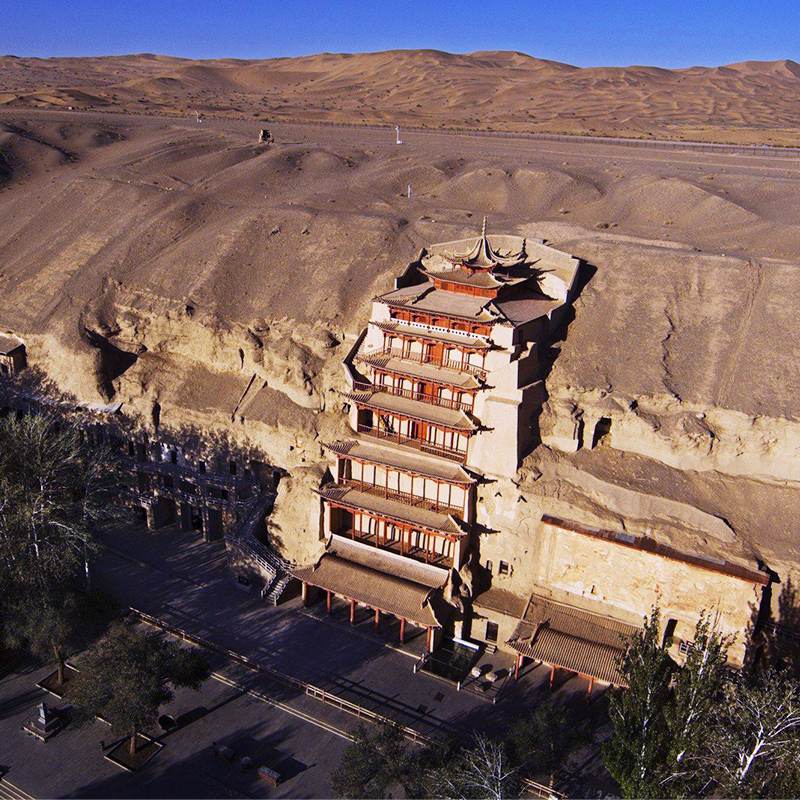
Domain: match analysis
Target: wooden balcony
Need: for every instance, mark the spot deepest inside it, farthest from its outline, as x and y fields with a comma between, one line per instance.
x=412, y=394
x=403, y=497
x=418, y=444
x=440, y=361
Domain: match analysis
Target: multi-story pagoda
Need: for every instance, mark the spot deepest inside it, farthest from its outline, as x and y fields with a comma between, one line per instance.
x=445, y=387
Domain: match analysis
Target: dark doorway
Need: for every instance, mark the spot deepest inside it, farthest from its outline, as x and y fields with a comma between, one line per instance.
x=197, y=519
x=491, y=631
x=601, y=430
x=215, y=529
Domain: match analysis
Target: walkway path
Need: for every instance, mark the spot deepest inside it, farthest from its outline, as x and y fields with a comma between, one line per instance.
x=185, y=583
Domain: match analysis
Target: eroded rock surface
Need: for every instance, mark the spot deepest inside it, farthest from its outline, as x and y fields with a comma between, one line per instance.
x=224, y=282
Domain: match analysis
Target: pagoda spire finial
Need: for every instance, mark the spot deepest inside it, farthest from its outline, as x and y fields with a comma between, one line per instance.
x=483, y=228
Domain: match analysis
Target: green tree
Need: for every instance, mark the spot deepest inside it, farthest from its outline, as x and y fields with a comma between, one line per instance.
x=636, y=753
x=55, y=489
x=55, y=625
x=696, y=693
x=543, y=741
x=371, y=764
x=126, y=677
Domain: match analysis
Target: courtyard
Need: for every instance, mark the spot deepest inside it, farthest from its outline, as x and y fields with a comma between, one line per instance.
x=257, y=701
x=72, y=763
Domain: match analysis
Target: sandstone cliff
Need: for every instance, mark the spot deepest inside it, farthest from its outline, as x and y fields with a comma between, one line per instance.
x=222, y=282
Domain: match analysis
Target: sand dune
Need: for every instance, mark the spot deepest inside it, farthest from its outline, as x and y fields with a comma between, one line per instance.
x=748, y=102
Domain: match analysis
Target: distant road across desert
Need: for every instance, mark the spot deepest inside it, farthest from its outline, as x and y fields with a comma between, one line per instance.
x=669, y=159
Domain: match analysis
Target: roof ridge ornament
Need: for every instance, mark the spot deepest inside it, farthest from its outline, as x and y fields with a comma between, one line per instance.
x=483, y=257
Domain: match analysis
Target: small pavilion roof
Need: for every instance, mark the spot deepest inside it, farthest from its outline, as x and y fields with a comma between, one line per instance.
x=446, y=337
x=421, y=370
x=502, y=601
x=392, y=509
x=8, y=345
x=572, y=639
x=401, y=458
x=450, y=418
x=364, y=577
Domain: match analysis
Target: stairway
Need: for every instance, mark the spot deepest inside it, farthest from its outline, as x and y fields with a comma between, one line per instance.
x=272, y=594
x=260, y=554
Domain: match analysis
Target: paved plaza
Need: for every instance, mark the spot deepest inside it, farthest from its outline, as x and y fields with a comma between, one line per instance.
x=185, y=582
x=71, y=764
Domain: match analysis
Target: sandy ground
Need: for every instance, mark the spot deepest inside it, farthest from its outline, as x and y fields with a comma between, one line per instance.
x=100, y=211
x=748, y=102
x=210, y=258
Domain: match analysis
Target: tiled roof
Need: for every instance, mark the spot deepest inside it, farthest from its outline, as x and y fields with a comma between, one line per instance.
x=482, y=280
x=501, y=600
x=422, y=371
x=483, y=254
x=572, y=639
x=393, y=509
x=8, y=345
x=430, y=575
x=414, y=409
x=402, y=458
x=525, y=306
x=424, y=297
x=348, y=575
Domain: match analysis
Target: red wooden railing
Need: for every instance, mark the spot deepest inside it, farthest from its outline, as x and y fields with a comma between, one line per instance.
x=419, y=444
x=436, y=361
x=413, y=394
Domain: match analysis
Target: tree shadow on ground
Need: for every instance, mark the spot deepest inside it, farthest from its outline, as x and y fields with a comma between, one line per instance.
x=204, y=773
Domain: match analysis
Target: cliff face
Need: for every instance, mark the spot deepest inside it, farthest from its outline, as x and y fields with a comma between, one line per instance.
x=208, y=281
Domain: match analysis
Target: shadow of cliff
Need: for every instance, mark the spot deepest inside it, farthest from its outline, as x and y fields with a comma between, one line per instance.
x=550, y=350
x=774, y=637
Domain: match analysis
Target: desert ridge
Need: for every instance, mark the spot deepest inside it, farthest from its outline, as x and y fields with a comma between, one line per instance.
x=753, y=102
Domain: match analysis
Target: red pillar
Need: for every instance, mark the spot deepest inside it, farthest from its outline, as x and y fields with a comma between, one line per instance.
x=589, y=691
x=402, y=630
x=352, y=612
x=517, y=666
x=428, y=637
x=328, y=602
x=305, y=593
x=377, y=618
x=552, y=677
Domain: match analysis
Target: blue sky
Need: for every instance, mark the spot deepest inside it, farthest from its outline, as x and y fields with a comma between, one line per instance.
x=588, y=33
